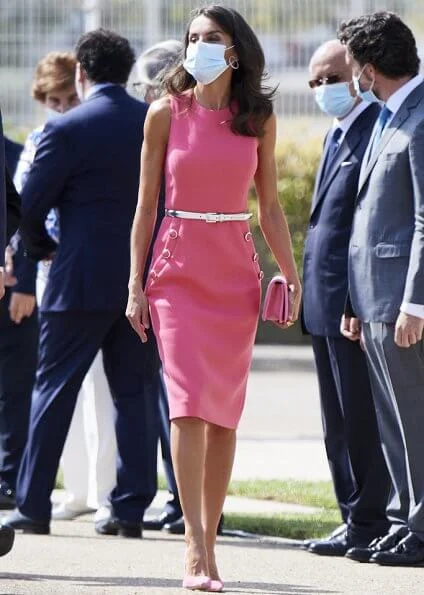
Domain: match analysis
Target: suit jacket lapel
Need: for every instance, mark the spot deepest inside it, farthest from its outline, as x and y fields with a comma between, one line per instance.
x=320, y=171
x=402, y=115
x=348, y=146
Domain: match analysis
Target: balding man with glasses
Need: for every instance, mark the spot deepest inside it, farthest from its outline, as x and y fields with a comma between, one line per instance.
x=360, y=478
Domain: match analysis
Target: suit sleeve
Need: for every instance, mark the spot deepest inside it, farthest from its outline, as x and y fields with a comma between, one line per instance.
x=25, y=271
x=3, y=221
x=42, y=191
x=414, y=286
x=13, y=202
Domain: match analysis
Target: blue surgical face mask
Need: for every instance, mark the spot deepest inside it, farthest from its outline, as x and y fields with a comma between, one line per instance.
x=368, y=95
x=206, y=61
x=335, y=100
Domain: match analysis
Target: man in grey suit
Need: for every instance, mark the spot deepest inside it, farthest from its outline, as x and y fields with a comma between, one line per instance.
x=386, y=266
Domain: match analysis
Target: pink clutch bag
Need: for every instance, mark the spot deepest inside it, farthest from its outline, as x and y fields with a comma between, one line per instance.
x=276, y=303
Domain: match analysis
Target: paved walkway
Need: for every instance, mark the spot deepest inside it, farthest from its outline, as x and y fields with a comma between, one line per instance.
x=280, y=436
x=75, y=561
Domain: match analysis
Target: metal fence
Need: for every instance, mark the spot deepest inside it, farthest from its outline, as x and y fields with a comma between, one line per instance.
x=289, y=31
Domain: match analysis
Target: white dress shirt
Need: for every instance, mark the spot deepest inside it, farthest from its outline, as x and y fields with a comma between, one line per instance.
x=394, y=103
x=345, y=123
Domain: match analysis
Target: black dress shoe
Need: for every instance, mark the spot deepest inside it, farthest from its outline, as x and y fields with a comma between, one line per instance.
x=113, y=526
x=157, y=523
x=19, y=521
x=380, y=544
x=7, y=497
x=306, y=544
x=408, y=552
x=178, y=527
x=336, y=546
x=7, y=537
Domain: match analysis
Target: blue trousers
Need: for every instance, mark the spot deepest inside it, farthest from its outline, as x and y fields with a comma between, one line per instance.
x=352, y=439
x=18, y=361
x=69, y=342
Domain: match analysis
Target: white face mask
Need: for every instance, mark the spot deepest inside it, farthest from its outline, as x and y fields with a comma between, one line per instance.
x=206, y=61
x=52, y=114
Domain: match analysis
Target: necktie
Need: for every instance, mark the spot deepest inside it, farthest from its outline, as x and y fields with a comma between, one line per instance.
x=332, y=146
x=382, y=120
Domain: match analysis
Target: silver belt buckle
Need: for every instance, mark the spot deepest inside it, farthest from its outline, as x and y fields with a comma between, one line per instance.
x=212, y=217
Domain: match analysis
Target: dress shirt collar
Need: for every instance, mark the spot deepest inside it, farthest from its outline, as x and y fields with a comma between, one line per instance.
x=345, y=123
x=398, y=97
x=94, y=88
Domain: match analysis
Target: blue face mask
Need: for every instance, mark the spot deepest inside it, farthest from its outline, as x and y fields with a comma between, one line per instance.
x=335, y=100
x=206, y=61
x=369, y=95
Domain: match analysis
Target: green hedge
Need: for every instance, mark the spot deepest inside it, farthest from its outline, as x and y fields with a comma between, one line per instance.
x=296, y=166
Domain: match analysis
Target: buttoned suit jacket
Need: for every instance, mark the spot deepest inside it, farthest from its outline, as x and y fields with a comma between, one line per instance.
x=325, y=279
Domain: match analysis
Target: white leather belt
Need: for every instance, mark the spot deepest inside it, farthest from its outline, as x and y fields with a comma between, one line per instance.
x=209, y=217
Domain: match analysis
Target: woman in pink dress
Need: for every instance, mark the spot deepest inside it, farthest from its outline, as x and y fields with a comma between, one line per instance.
x=214, y=133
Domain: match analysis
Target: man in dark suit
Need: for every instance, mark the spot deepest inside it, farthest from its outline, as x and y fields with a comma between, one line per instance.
x=13, y=151
x=18, y=350
x=10, y=210
x=87, y=166
x=352, y=442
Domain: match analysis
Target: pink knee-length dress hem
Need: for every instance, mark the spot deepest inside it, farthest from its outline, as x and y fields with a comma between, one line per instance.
x=203, y=285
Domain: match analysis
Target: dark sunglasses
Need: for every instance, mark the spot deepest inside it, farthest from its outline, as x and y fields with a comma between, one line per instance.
x=326, y=80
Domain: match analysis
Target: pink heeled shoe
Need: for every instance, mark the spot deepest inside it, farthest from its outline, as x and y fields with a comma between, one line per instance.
x=197, y=583
x=216, y=586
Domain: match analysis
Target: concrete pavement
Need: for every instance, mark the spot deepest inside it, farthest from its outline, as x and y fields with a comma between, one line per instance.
x=76, y=561
x=280, y=437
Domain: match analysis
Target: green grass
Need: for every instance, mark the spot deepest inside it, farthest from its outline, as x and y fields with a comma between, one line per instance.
x=318, y=494
x=309, y=493
x=293, y=526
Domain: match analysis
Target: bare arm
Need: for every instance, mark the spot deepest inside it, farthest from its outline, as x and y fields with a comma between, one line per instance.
x=270, y=214
x=156, y=132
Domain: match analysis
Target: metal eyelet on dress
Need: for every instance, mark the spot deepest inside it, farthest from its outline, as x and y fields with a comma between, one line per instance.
x=248, y=236
x=255, y=257
x=166, y=253
x=173, y=234
x=261, y=275
x=153, y=274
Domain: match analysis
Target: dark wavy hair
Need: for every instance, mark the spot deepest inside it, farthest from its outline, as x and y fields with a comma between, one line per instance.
x=105, y=56
x=383, y=40
x=248, y=93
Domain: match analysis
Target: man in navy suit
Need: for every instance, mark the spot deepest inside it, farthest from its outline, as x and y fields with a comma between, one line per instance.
x=10, y=214
x=352, y=440
x=13, y=151
x=18, y=349
x=87, y=166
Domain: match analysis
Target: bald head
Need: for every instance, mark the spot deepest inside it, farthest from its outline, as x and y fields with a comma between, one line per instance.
x=330, y=60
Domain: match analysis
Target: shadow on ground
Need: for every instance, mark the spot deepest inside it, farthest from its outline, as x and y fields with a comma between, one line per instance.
x=155, y=583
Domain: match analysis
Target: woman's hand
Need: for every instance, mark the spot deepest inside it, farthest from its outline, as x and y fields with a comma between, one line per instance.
x=295, y=298
x=138, y=310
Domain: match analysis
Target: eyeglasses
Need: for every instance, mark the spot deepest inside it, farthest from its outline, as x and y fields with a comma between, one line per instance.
x=325, y=80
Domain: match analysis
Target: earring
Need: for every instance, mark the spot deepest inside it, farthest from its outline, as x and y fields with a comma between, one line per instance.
x=234, y=63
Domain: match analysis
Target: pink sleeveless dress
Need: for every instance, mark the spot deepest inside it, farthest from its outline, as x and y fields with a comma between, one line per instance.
x=203, y=285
